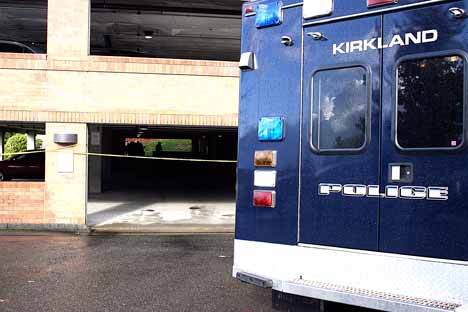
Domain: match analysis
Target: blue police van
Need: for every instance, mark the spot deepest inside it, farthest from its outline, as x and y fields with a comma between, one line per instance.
x=353, y=157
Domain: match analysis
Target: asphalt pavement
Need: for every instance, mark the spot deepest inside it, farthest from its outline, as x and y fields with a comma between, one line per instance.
x=59, y=272
x=123, y=273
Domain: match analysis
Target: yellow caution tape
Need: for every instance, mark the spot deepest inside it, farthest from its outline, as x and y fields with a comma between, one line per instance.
x=34, y=152
x=123, y=156
x=157, y=158
x=22, y=153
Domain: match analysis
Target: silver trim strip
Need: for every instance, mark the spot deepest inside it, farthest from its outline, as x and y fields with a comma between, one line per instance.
x=384, y=254
x=290, y=6
x=299, y=171
x=386, y=10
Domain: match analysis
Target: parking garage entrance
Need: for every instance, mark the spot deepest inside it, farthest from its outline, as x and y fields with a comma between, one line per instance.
x=156, y=179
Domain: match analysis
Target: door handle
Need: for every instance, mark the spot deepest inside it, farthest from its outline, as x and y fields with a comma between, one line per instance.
x=400, y=172
x=457, y=12
x=287, y=41
x=316, y=35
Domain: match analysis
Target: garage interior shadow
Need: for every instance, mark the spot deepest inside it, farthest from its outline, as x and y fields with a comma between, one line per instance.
x=154, y=194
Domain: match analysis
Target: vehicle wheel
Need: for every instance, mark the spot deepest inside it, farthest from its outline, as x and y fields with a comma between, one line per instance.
x=3, y=177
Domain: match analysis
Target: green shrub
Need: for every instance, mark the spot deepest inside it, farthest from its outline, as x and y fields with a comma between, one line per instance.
x=39, y=144
x=168, y=145
x=16, y=143
x=7, y=135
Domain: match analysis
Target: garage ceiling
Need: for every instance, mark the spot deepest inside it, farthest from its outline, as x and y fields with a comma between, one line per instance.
x=193, y=29
x=38, y=128
x=232, y=7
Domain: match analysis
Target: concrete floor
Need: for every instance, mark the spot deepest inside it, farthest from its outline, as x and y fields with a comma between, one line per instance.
x=162, y=211
x=165, y=196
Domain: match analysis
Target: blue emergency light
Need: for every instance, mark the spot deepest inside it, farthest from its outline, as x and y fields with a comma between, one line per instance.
x=269, y=14
x=271, y=129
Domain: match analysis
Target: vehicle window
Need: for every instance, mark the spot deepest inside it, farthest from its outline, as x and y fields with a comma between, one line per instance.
x=36, y=156
x=340, y=106
x=430, y=103
x=20, y=157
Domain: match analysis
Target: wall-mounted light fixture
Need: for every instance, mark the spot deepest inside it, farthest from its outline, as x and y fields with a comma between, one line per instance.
x=65, y=138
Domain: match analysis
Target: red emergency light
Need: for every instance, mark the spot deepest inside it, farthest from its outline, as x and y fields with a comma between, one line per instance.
x=264, y=199
x=249, y=10
x=374, y=3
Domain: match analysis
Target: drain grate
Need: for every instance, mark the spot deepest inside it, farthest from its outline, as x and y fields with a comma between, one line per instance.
x=429, y=303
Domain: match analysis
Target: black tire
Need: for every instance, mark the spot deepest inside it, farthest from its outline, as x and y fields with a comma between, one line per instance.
x=283, y=302
x=3, y=177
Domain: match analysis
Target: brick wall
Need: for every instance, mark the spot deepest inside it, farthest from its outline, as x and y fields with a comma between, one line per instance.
x=118, y=90
x=23, y=203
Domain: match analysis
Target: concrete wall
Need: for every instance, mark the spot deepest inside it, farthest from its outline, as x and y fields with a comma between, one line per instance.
x=66, y=189
x=152, y=97
x=95, y=163
x=68, y=28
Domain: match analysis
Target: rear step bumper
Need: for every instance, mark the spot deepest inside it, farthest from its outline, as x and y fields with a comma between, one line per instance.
x=375, y=280
x=254, y=280
x=368, y=298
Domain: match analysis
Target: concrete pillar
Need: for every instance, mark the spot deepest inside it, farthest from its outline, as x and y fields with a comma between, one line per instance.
x=2, y=143
x=195, y=145
x=66, y=176
x=68, y=29
x=31, y=141
x=107, y=135
x=95, y=162
x=213, y=153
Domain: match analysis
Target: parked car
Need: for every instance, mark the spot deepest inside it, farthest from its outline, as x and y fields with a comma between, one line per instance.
x=18, y=47
x=26, y=166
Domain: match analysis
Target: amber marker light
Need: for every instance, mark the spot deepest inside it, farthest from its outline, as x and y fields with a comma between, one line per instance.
x=265, y=159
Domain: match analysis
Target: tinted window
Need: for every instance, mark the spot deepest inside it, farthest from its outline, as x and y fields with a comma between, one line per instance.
x=430, y=102
x=340, y=105
x=21, y=157
x=37, y=156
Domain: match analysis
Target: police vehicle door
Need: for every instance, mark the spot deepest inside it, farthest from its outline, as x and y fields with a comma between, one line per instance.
x=340, y=135
x=424, y=155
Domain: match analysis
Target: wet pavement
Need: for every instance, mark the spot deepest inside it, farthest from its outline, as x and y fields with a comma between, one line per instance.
x=59, y=272
x=161, y=211
x=123, y=273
